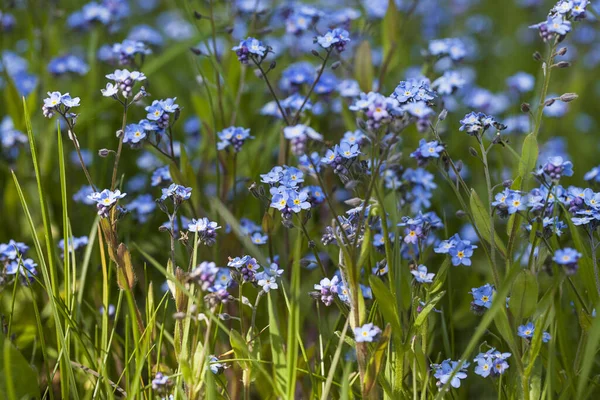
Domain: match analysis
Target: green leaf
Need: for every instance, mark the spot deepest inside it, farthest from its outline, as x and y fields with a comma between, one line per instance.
x=482, y=221
x=386, y=305
x=18, y=379
x=240, y=348
x=374, y=365
x=524, y=295
x=589, y=356
x=363, y=67
x=440, y=277
x=277, y=353
x=427, y=309
x=294, y=320
x=529, y=155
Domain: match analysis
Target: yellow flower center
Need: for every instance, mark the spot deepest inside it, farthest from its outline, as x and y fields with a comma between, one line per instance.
x=460, y=254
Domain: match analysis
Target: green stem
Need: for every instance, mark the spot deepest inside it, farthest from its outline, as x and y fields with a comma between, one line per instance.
x=547, y=72
x=488, y=182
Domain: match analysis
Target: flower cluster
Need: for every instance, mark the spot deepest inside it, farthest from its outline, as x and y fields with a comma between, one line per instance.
x=528, y=330
x=126, y=51
x=450, y=369
x=298, y=136
x=555, y=168
x=377, y=109
x=10, y=138
x=366, y=333
x=123, y=83
x=459, y=250
x=250, y=49
x=341, y=157
x=568, y=258
x=12, y=258
x=426, y=151
x=491, y=363
x=74, y=244
x=286, y=194
x=421, y=275
x=336, y=38
x=68, y=63
x=205, y=229
x=482, y=298
x=559, y=18
x=509, y=202
x=476, y=123
x=59, y=103
x=247, y=269
x=159, y=112
x=105, y=200
x=177, y=193
x=327, y=289
x=234, y=137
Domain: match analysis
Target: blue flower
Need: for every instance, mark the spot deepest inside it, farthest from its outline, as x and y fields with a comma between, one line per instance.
x=233, y=136
x=205, y=229
x=336, y=37
x=177, y=192
x=482, y=298
x=279, y=199
x=258, y=238
x=249, y=47
x=366, y=333
x=427, y=150
x=555, y=168
x=447, y=369
x=421, y=274
x=348, y=150
x=461, y=253
x=134, y=133
x=526, y=331
x=568, y=258
x=492, y=362
x=106, y=198
x=297, y=201
x=326, y=289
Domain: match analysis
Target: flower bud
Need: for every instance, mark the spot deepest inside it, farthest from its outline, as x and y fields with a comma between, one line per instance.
x=104, y=152
x=549, y=102
x=525, y=107
x=562, y=64
x=460, y=214
x=443, y=115
x=537, y=56
x=335, y=65
x=507, y=183
x=197, y=15
x=568, y=97
x=562, y=51
x=473, y=152
x=196, y=51
x=273, y=65
x=315, y=53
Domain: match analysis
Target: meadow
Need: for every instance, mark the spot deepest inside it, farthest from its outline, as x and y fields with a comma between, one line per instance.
x=264, y=199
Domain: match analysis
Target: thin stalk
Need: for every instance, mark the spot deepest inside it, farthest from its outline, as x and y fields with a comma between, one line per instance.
x=547, y=72
x=488, y=182
x=312, y=88
x=120, y=148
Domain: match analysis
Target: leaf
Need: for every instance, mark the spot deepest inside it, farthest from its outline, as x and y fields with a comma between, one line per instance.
x=18, y=379
x=376, y=360
x=240, y=348
x=529, y=155
x=440, y=277
x=294, y=320
x=589, y=356
x=386, y=305
x=524, y=295
x=277, y=353
x=363, y=67
x=427, y=309
x=482, y=221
